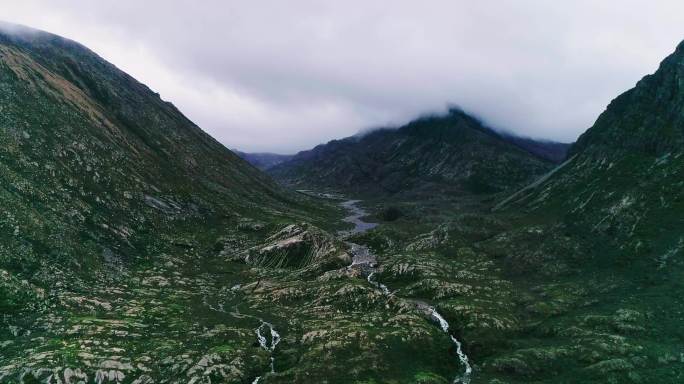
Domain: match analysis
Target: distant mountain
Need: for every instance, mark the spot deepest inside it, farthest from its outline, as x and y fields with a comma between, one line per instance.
x=549, y=150
x=454, y=150
x=264, y=160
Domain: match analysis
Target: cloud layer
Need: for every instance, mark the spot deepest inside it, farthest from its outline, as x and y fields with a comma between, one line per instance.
x=282, y=76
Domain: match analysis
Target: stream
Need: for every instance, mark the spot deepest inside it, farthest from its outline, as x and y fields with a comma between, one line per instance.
x=267, y=336
x=268, y=342
x=364, y=259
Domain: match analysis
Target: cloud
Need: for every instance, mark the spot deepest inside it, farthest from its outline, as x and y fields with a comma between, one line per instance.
x=283, y=76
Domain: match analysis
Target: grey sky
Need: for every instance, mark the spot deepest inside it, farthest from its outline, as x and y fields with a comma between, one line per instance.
x=286, y=75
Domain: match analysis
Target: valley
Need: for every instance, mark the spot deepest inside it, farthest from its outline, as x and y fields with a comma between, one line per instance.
x=137, y=249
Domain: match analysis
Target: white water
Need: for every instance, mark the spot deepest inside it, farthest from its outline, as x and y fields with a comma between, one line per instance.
x=465, y=377
x=264, y=343
x=363, y=257
x=378, y=284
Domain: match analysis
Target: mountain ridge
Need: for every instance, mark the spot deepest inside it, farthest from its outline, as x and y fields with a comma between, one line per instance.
x=437, y=150
x=263, y=160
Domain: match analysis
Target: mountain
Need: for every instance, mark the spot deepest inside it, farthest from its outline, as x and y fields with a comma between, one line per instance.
x=549, y=150
x=621, y=182
x=264, y=160
x=605, y=227
x=90, y=156
x=114, y=208
x=454, y=150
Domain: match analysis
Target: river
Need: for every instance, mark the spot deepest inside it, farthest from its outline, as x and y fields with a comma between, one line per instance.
x=365, y=260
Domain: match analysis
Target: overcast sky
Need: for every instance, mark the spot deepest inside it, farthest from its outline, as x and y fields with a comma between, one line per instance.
x=286, y=75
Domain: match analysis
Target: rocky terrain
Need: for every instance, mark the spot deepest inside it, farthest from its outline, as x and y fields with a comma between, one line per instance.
x=136, y=249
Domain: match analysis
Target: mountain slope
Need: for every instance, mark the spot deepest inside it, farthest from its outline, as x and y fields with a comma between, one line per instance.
x=549, y=150
x=454, y=150
x=622, y=182
x=89, y=156
x=599, y=240
x=113, y=210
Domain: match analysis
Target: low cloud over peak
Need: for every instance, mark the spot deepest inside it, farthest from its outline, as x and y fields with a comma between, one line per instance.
x=284, y=76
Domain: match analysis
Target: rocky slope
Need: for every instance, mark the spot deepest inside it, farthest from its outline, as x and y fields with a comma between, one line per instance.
x=113, y=209
x=454, y=151
x=621, y=185
x=93, y=162
x=611, y=214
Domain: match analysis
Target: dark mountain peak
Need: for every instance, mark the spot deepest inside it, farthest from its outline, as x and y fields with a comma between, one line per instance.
x=457, y=124
x=454, y=124
x=452, y=150
x=432, y=124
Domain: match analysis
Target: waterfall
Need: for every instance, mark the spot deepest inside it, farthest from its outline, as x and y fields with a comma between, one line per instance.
x=465, y=377
x=264, y=343
x=379, y=285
